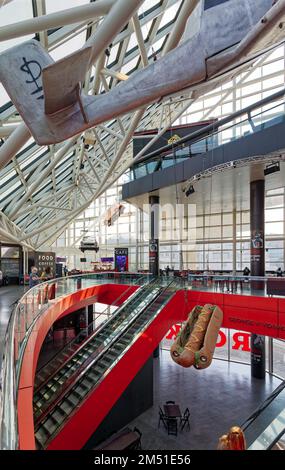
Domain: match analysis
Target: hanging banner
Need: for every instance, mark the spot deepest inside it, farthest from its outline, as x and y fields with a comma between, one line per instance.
x=257, y=345
x=121, y=259
x=153, y=256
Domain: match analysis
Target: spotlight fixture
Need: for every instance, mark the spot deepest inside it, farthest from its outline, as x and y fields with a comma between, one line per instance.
x=272, y=168
x=189, y=191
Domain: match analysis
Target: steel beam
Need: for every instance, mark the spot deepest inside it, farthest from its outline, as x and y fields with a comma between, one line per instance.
x=13, y=144
x=56, y=20
x=113, y=23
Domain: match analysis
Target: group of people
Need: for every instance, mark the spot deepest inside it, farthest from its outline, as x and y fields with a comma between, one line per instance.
x=34, y=278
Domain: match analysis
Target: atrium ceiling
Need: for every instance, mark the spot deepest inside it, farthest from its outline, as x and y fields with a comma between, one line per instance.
x=44, y=187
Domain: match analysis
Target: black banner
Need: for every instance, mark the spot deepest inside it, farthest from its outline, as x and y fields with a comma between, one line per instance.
x=153, y=256
x=257, y=346
x=121, y=259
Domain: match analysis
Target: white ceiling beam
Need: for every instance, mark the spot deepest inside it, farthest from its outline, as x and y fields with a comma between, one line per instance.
x=111, y=131
x=56, y=20
x=113, y=23
x=139, y=36
x=35, y=186
x=6, y=130
x=13, y=144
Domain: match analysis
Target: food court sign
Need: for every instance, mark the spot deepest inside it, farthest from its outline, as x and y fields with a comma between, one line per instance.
x=44, y=260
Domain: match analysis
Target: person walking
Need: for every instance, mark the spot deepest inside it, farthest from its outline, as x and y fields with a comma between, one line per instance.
x=246, y=271
x=279, y=272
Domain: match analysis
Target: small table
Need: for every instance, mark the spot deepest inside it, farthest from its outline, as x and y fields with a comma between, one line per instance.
x=172, y=411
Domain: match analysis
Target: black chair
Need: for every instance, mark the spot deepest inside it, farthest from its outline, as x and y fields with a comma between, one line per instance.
x=170, y=402
x=172, y=426
x=185, y=419
x=162, y=418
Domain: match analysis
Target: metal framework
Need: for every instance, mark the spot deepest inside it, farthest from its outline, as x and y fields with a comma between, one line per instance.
x=43, y=189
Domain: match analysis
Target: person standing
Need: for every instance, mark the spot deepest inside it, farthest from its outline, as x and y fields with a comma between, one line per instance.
x=246, y=271
x=65, y=270
x=279, y=272
x=34, y=278
x=1, y=278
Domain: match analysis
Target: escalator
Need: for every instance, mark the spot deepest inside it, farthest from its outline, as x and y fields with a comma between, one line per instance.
x=44, y=374
x=67, y=389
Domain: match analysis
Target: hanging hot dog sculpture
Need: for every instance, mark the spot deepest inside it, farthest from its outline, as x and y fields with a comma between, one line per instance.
x=195, y=343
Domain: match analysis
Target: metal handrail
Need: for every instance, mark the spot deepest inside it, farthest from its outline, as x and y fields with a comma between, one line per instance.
x=89, y=337
x=162, y=155
x=95, y=356
x=104, y=325
x=212, y=127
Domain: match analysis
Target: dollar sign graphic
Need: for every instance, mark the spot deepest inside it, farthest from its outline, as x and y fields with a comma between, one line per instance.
x=27, y=69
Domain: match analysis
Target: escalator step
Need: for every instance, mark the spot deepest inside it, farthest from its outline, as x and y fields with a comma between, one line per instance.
x=51, y=424
x=58, y=415
x=42, y=436
x=92, y=375
x=66, y=407
x=74, y=399
x=100, y=369
x=110, y=358
x=81, y=390
x=105, y=362
x=112, y=353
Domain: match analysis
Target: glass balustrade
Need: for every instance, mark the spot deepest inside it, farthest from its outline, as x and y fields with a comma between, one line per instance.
x=255, y=122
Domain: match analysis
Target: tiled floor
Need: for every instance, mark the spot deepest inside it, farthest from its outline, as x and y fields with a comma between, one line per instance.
x=8, y=295
x=219, y=397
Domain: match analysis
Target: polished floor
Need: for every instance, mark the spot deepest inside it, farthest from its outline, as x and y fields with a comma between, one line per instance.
x=219, y=397
x=8, y=295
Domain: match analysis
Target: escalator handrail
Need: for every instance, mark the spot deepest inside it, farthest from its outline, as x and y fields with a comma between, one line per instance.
x=96, y=331
x=76, y=377
x=132, y=297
